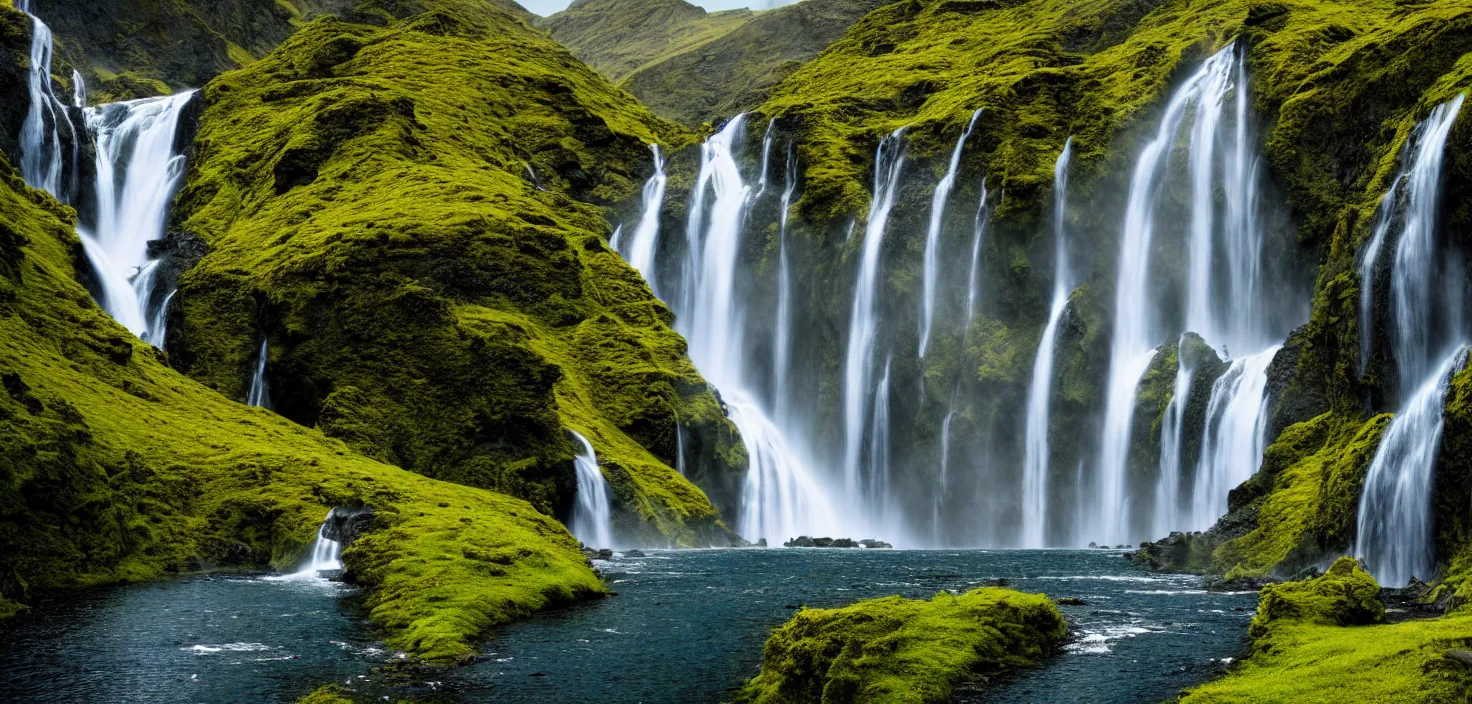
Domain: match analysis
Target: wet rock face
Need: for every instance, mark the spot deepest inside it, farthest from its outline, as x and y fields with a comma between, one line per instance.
x=345, y=524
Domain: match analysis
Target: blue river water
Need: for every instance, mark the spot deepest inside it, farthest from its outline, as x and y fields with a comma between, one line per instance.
x=685, y=626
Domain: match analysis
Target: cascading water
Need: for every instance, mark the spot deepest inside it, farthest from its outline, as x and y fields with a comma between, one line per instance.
x=761, y=179
x=259, y=392
x=978, y=235
x=1368, y=261
x=782, y=336
x=1427, y=323
x=1235, y=436
x=1172, y=427
x=1393, y=528
x=875, y=489
x=889, y=161
x=781, y=495
x=41, y=163
x=1040, y=392
x=137, y=174
x=645, y=240
x=592, y=515
x=931, y=274
x=1214, y=308
x=945, y=467
x=326, y=556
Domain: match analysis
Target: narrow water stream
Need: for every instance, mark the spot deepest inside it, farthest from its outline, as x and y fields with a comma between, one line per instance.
x=686, y=626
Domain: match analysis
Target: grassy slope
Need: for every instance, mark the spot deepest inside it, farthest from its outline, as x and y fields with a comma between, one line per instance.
x=369, y=210
x=618, y=37
x=692, y=67
x=903, y=650
x=113, y=467
x=133, y=48
x=1321, y=641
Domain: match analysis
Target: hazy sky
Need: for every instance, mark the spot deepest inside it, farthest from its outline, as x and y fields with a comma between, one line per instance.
x=547, y=7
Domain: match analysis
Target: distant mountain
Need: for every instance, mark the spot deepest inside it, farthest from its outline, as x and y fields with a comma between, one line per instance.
x=690, y=65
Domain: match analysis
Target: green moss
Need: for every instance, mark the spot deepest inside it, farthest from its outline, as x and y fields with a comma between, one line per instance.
x=426, y=300
x=326, y=694
x=1305, y=495
x=903, y=650
x=1309, y=645
x=115, y=468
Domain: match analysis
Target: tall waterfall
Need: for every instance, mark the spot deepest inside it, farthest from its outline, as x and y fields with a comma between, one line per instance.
x=782, y=496
x=645, y=240
x=931, y=274
x=1428, y=333
x=1221, y=300
x=945, y=470
x=592, y=515
x=259, y=392
x=137, y=174
x=1172, y=430
x=1369, y=260
x=782, y=336
x=889, y=161
x=1040, y=391
x=41, y=163
x=978, y=235
x=1234, y=438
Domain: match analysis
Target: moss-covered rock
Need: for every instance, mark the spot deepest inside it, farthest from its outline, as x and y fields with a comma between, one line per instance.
x=429, y=268
x=1312, y=642
x=903, y=650
x=114, y=468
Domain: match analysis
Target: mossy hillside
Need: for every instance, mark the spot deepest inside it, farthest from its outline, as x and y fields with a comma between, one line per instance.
x=114, y=468
x=618, y=37
x=1304, y=500
x=134, y=48
x=378, y=214
x=1314, y=641
x=903, y=650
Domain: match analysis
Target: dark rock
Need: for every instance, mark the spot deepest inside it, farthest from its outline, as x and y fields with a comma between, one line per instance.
x=1070, y=601
x=1240, y=584
x=345, y=525
x=633, y=553
x=1092, y=544
x=761, y=543
x=874, y=544
x=605, y=554
x=1464, y=657
x=803, y=541
x=997, y=582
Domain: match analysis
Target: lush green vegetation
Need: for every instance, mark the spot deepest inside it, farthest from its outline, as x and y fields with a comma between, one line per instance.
x=113, y=467
x=903, y=650
x=692, y=66
x=1312, y=642
x=430, y=270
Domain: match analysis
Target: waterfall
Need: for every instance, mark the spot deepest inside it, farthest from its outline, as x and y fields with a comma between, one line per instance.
x=680, y=464
x=781, y=495
x=615, y=240
x=79, y=90
x=931, y=274
x=1426, y=294
x=1172, y=427
x=326, y=556
x=592, y=515
x=945, y=464
x=1234, y=437
x=1368, y=262
x=1394, y=525
x=761, y=180
x=259, y=392
x=1136, y=319
x=978, y=234
x=875, y=489
x=889, y=160
x=1040, y=392
x=782, y=336
x=645, y=240
x=40, y=135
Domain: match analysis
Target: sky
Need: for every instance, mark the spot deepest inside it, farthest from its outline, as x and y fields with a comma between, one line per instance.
x=547, y=7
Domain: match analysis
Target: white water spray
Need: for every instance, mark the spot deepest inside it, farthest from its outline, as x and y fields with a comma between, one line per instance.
x=1426, y=292
x=645, y=241
x=592, y=515
x=326, y=557
x=782, y=336
x=1234, y=438
x=259, y=393
x=889, y=160
x=1040, y=392
x=978, y=235
x=931, y=273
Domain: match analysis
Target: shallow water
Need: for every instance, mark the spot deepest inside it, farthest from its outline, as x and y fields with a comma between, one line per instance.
x=686, y=626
